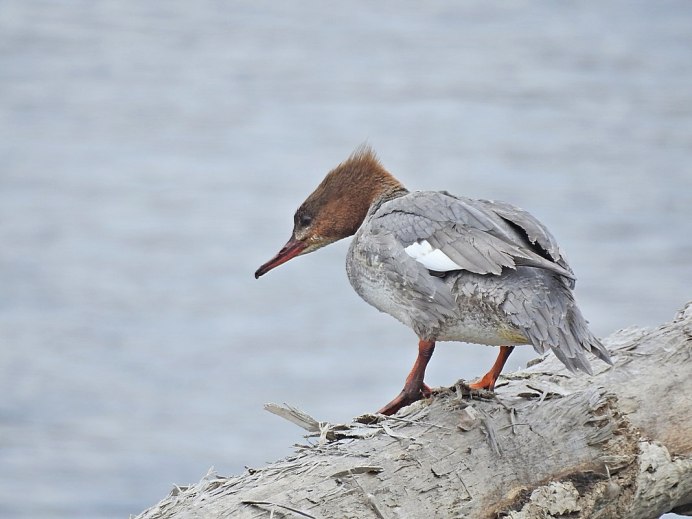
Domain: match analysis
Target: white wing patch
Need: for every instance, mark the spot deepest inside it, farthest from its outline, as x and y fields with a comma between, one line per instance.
x=432, y=259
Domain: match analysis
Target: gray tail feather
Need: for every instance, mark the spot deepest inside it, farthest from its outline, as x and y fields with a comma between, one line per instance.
x=556, y=323
x=574, y=339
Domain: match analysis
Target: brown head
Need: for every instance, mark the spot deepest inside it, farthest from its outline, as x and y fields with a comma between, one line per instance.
x=338, y=206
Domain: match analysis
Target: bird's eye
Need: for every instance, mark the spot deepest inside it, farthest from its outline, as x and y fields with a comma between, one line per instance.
x=303, y=220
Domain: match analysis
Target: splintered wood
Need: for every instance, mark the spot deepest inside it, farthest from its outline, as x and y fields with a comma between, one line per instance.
x=546, y=445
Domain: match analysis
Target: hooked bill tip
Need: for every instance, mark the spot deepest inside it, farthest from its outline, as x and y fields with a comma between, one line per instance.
x=292, y=249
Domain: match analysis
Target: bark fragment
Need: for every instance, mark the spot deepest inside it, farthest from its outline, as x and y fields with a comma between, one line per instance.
x=547, y=445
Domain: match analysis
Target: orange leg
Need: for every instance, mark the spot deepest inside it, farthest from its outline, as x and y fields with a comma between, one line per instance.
x=414, y=387
x=489, y=379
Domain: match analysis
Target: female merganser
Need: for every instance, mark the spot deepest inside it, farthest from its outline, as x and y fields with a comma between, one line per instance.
x=451, y=268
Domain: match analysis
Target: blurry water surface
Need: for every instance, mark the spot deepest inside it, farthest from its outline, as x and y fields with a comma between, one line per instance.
x=152, y=155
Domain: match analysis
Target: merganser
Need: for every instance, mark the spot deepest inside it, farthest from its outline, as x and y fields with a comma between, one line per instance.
x=449, y=267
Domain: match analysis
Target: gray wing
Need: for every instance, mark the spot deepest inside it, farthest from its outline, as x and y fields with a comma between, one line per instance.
x=476, y=235
x=536, y=232
x=428, y=300
x=483, y=237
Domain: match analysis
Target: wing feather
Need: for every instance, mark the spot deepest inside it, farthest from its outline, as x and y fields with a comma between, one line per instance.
x=474, y=235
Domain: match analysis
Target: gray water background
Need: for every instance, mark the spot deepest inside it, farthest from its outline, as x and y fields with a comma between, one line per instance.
x=152, y=155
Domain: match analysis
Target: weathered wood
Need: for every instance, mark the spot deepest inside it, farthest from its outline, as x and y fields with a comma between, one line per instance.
x=549, y=444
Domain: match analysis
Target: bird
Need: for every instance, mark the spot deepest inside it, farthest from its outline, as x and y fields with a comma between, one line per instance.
x=449, y=267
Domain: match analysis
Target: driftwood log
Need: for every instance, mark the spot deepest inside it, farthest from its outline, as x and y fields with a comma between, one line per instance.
x=548, y=444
